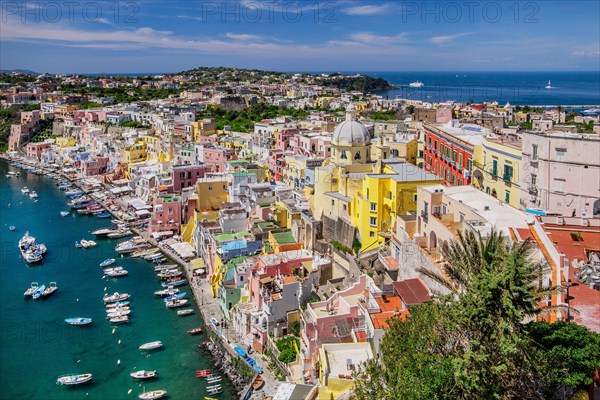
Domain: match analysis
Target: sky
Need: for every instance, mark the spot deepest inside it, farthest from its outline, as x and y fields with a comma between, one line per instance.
x=339, y=35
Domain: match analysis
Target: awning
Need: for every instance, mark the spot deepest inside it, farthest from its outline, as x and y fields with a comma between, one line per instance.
x=197, y=263
x=141, y=213
x=268, y=279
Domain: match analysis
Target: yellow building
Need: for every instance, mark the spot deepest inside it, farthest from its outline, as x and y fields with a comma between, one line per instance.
x=496, y=165
x=65, y=110
x=206, y=127
x=137, y=152
x=337, y=363
x=402, y=147
x=324, y=102
x=212, y=193
x=63, y=141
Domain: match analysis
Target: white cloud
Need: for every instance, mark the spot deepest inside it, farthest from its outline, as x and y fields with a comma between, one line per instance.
x=448, y=39
x=371, y=38
x=368, y=9
x=241, y=36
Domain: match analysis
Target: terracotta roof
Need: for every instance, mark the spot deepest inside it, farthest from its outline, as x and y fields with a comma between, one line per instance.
x=412, y=291
x=390, y=307
x=583, y=298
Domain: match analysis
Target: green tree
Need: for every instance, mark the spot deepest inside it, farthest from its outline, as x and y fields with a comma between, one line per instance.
x=574, y=351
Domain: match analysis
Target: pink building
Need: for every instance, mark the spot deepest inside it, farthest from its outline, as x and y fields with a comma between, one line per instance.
x=282, y=138
x=22, y=131
x=276, y=164
x=95, y=166
x=217, y=158
x=186, y=175
x=34, y=150
x=166, y=215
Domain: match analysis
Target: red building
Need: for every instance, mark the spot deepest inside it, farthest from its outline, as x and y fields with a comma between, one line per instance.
x=186, y=175
x=448, y=152
x=166, y=215
x=95, y=166
x=276, y=164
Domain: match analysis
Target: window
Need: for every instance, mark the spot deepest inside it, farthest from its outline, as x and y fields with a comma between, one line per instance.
x=371, y=234
x=559, y=185
x=508, y=172
x=560, y=154
x=495, y=167
x=533, y=179
x=170, y=210
x=343, y=156
x=391, y=195
x=460, y=160
x=357, y=155
x=435, y=145
x=469, y=164
x=345, y=207
x=534, y=151
x=414, y=197
x=373, y=221
x=209, y=187
x=373, y=207
x=461, y=217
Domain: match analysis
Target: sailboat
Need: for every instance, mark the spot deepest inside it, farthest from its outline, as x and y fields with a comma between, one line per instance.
x=549, y=85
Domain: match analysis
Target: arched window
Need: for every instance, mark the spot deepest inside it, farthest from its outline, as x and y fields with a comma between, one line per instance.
x=343, y=156
x=357, y=155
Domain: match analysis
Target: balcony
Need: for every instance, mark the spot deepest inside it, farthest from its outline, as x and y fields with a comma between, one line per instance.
x=532, y=190
x=425, y=216
x=388, y=260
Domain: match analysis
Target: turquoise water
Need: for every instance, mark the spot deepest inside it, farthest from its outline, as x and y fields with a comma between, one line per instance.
x=36, y=345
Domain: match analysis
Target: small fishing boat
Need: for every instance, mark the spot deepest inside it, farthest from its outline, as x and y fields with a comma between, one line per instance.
x=169, y=274
x=202, y=373
x=151, y=256
x=258, y=383
x=78, y=245
x=33, y=195
x=117, y=309
x=195, y=331
x=216, y=389
x=187, y=311
x=116, y=296
x=107, y=262
x=118, y=304
x=151, y=345
x=74, y=379
x=103, y=215
x=176, y=303
x=120, y=320
x=64, y=213
x=32, y=288
x=170, y=291
x=175, y=296
x=37, y=293
x=25, y=190
x=155, y=394
x=214, y=379
x=78, y=321
x=142, y=374
x=116, y=313
x=116, y=272
x=86, y=244
x=50, y=289
x=12, y=228
x=177, y=282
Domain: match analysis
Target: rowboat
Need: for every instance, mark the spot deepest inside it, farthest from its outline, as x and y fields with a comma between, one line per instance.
x=258, y=383
x=78, y=321
x=187, y=311
x=107, y=262
x=195, y=331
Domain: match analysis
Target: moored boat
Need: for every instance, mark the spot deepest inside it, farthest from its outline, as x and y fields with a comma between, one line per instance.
x=33, y=194
x=30, y=250
x=155, y=394
x=75, y=379
x=142, y=374
x=195, y=331
x=177, y=282
x=151, y=345
x=25, y=190
x=176, y=303
x=118, y=304
x=170, y=291
x=50, y=289
x=175, y=296
x=116, y=272
x=258, y=383
x=32, y=288
x=12, y=228
x=64, y=213
x=116, y=296
x=120, y=320
x=214, y=378
x=37, y=293
x=78, y=321
x=116, y=313
x=107, y=262
x=187, y=311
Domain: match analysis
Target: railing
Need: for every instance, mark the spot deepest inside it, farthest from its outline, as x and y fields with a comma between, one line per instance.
x=425, y=216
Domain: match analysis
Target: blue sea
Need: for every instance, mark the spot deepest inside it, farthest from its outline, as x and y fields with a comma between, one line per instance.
x=517, y=88
x=37, y=345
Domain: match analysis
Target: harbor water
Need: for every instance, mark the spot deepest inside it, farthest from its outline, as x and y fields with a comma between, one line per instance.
x=37, y=345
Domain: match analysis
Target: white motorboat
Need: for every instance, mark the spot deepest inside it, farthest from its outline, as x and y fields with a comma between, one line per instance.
x=86, y=244
x=187, y=311
x=214, y=379
x=73, y=379
x=116, y=272
x=30, y=249
x=32, y=288
x=155, y=394
x=416, y=84
x=116, y=313
x=151, y=345
x=120, y=320
x=170, y=291
x=176, y=303
x=117, y=309
x=169, y=274
x=33, y=195
x=37, y=293
x=50, y=289
x=25, y=190
x=107, y=262
x=549, y=85
x=121, y=233
x=117, y=304
x=116, y=296
x=142, y=374
x=64, y=213
x=78, y=321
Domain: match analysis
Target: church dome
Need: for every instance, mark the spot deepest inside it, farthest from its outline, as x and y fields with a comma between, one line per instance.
x=351, y=132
